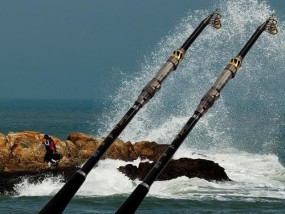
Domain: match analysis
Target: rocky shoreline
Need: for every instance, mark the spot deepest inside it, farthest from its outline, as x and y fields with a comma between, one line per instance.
x=21, y=156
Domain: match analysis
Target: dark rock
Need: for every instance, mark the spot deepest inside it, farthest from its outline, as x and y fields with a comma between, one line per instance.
x=191, y=168
x=8, y=180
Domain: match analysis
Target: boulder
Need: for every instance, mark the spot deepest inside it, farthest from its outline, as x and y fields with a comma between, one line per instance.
x=25, y=150
x=22, y=153
x=188, y=167
x=149, y=150
x=4, y=151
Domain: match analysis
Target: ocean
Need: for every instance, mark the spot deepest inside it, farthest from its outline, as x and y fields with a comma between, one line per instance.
x=243, y=132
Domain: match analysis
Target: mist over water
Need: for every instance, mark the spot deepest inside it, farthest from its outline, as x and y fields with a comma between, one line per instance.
x=249, y=114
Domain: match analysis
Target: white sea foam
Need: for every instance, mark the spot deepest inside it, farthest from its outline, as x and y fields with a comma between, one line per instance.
x=47, y=187
x=254, y=177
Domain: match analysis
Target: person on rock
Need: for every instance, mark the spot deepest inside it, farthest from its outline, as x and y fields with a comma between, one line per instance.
x=51, y=156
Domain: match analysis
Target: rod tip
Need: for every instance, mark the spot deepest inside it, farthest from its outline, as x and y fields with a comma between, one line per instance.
x=271, y=25
x=216, y=19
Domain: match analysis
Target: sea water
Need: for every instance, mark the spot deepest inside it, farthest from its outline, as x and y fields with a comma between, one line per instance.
x=243, y=132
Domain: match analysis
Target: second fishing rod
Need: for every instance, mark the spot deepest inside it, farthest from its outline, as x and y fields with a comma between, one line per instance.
x=58, y=203
x=137, y=196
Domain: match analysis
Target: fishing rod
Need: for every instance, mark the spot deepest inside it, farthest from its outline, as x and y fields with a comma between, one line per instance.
x=137, y=196
x=58, y=203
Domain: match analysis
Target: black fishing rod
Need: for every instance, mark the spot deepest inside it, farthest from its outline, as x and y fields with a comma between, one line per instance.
x=137, y=196
x=58, y=203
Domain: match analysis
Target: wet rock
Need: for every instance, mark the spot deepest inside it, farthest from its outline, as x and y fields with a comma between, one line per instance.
x=200, y=168
x=9, y=180
x=22, y=153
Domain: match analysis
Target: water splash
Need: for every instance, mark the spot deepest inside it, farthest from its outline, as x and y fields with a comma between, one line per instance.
x=254, y=177
x=250, y=108
x=48, y=186
x=249, y=116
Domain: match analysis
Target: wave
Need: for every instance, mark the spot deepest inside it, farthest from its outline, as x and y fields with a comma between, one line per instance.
x=250, y=108
x=242, y=132
x=253, y=176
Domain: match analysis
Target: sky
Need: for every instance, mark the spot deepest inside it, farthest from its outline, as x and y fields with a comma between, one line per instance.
x=71, y=49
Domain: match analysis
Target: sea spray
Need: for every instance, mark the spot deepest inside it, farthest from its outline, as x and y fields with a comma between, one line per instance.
x=254, y=176
x=46, y=187
x=253, y=102
x=248, y=119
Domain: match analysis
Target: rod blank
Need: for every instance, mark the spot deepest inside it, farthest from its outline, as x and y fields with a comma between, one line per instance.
x=137, y=196
x=58, y=203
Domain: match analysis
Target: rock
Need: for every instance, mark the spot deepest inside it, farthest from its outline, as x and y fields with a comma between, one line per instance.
x=4, y=151
x=25, y=150
x=149, y=150
x=9, y=180
x=85, y=144
x=191, y=168
x=22, y=153
x=120, y=150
